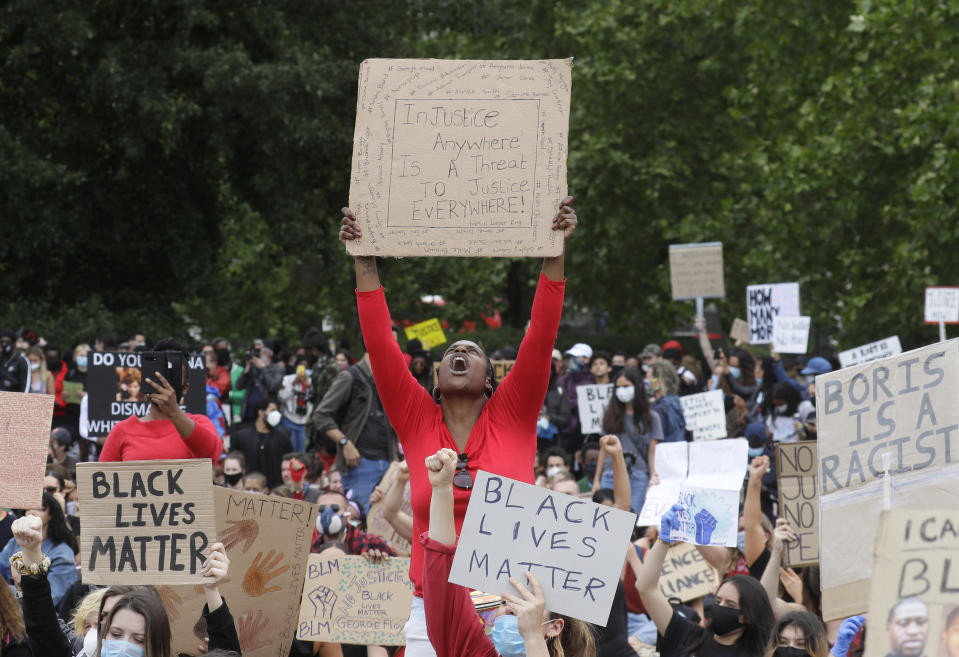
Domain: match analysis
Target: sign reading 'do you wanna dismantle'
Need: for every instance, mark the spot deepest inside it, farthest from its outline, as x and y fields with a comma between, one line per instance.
x=696, y=270
x=24, y=444
x=904, y=406
x=460, y=158
x=146, y=522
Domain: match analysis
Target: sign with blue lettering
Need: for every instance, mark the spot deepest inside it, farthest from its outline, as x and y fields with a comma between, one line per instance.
x=575, y=548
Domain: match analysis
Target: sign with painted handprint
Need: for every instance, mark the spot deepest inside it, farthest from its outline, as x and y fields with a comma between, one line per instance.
x=268, y=541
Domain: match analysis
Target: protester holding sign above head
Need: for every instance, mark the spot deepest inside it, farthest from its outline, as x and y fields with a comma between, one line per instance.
x=166, y=432
x=525, y=628
x=491, y=428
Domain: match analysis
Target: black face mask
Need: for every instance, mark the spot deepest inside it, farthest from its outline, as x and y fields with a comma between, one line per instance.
x=7, y=349
x=789, y=651
x=725, y=620
x=232, y=479
x=53, y=364
x=589, y=470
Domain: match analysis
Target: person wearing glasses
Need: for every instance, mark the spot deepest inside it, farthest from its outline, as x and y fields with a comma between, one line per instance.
x=490, y=428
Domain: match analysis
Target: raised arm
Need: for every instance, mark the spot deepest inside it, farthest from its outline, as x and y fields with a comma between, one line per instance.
x=755, y=536
x=704, y=343
x=565, y=220
x=770, y=578
x=622, y=489
x=367, y=277
x=402, y=523
x=221, y=627
x=647, y=582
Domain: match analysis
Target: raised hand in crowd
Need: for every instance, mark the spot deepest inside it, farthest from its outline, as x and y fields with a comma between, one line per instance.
x=217, y=566
x=528, y=607
x=400, y=521
x=771, y=577
x=847, y=632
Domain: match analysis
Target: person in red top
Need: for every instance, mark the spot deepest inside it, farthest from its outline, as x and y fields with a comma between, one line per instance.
x=166, y=432
x=492, y=429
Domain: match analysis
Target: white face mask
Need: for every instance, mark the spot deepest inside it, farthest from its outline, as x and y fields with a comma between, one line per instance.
x=90, y=642
x=781, y=409
x=555, y=470
x=626, y=394
x=34, y=366
x=273, y=418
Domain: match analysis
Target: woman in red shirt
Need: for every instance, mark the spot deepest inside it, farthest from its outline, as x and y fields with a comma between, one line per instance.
x=166, y=432
x=491, y=428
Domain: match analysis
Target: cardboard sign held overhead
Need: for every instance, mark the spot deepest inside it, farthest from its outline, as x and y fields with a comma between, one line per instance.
x=790, y=334
x=705, y=414
x=146, y=522
x=710, y=493
x=696, y=270
x=797, y=467
x=740, y=330
x=942, y=305
x=764, y=302
x=430, y=333
x=870, y=352
x=268, y=542
x=913, y=590
x=903, y=406
x=686, y=574
x=574, y=547
x=460, y=157
x=347, y=599
x=24, y=444
x=591, y=401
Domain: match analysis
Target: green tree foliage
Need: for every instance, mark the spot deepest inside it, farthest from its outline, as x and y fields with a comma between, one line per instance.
x=172, y=164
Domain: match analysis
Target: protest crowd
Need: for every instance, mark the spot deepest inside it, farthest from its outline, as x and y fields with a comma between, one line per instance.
x=352, y=428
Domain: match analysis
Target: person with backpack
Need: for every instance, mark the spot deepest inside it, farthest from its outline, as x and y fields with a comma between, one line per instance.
x=662, y=383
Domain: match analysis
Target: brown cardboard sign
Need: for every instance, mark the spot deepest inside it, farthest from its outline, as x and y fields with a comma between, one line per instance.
x=376, y=523
x=696, y=270
x=797, y=469
x=740, y=330
x=268, y=542
x=460, y=157
x=24, y=444
x=904, y=409
x=347, y=599
x=686, y=574
x=915, y=579
x=145, y=522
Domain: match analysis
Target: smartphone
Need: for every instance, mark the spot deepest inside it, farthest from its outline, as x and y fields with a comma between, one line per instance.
x=167, y=363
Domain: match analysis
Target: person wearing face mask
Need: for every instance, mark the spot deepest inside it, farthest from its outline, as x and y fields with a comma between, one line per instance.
x=740, y=624
x=58, y=371
x=264, y=443
x=296, y=406
x=77, y=375
x=166, y=432
x=15, y=373
x=556, y=413
x=782, y=414
x=798, y=634
x=577, y=374
x=234, y=470
x=41, y=381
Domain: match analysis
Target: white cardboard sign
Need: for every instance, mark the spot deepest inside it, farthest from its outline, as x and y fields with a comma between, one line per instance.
x=705, y=414
x=574, y=547
x=942, y=305
x=592, y=400
x=764, y=302
x=672, y=464
x=870, y=352
x=790, y=334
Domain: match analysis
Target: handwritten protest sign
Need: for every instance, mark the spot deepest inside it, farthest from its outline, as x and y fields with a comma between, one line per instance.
x=460, y=158
x=797, y=467
x=710, y=493
x=376, y=522
x=705, y=414
x=268, y=542
x=686, y=574
x=347, y=599
x=430, y=333
x=574, y=547
x=870, y=352
x=913, y=591
x=24, y=444
x=696, y=270
x=903, y=406
x=115, y=392
x=672, y=466
x=790, y=334
x=145, y=522
x=942, y=305
x=740, y=330
x=765, y=302
x=592, y=400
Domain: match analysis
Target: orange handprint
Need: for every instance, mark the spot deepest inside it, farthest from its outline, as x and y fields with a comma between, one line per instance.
x=250, y=629
x=241, y=530
x=259, y=574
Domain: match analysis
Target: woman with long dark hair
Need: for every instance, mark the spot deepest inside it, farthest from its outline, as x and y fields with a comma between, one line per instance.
x=798, y=634
x=13, y=633
x=491, y=428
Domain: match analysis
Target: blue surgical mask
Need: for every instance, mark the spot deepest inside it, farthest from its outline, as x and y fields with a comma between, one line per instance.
x=575, y=364
x=741, y=541
x=756, y=451
x=113, y=648
x=81, y=361
x=506, y=636
x=734, y=371
x=759, y=380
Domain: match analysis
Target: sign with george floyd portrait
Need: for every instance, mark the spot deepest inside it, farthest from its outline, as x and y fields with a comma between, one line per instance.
x=115, y=390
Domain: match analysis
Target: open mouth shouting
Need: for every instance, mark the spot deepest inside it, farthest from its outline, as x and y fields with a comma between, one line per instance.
x=459, y=364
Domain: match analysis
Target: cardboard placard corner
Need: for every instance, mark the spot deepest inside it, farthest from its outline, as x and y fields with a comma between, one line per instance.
x=696, y=270
x=24, y=443
x=740, y=330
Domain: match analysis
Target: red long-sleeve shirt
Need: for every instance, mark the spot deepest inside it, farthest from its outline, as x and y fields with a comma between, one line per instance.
x=503, y=440
x=133, y=440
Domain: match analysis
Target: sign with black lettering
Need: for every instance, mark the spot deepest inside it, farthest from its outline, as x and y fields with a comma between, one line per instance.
x=766, y=302
x=145, y=522
x=574, y=547
x=460, y=157
x=870, y=352
x=942, y=305
x=591, y=401
x=115, y=391
x=696, y=270
x=686, y=574
x=797, y=466
x=915, y=584
x=904, y=407
x=347, y=599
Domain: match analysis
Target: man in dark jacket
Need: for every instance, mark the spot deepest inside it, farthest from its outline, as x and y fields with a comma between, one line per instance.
x=15, y=373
